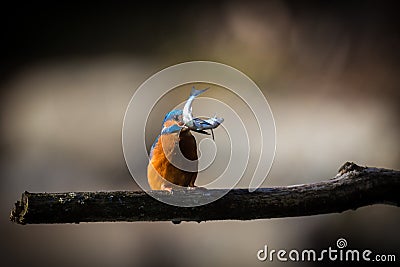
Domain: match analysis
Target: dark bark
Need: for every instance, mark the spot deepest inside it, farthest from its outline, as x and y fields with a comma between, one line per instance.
x=351, y=188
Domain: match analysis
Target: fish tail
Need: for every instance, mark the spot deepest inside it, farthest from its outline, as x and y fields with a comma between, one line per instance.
x=196, y=92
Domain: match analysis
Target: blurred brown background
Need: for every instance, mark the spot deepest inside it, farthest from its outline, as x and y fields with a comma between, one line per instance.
x=67, y=73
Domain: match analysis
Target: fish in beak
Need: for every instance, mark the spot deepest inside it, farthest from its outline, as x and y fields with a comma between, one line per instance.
x=198, y=125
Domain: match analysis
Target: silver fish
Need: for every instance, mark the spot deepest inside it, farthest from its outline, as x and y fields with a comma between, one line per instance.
x=198, y=124
x=187, y=109
x=205, y=124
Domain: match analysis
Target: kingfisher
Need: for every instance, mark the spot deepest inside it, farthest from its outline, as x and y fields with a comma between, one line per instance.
x=173, y=155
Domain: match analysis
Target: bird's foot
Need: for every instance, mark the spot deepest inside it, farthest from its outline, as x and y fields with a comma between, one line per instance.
x=166, y=188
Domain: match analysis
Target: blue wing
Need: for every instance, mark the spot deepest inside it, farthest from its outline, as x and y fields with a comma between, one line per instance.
x=153, y=146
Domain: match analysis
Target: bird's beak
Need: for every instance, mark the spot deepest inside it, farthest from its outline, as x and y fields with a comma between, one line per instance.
x=180, y=123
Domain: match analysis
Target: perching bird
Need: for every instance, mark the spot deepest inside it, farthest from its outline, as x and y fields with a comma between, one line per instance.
x=161, y=173
x=173, y=155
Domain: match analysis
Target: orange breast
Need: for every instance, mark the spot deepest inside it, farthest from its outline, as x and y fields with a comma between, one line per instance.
x=161, y=171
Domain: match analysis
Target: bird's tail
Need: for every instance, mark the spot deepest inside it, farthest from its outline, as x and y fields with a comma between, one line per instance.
x=196, y=92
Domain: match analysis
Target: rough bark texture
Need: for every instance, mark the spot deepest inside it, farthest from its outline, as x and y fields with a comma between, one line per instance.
x=351, y=188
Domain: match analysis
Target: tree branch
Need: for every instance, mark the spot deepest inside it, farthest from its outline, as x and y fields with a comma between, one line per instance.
x=351, y=188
